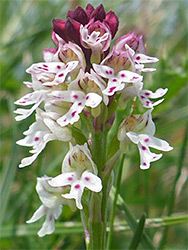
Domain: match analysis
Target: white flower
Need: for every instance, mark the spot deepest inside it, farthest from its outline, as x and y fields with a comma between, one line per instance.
x=52, y=205
x=139, y=59
x=79, y=99
x=79, y=171
x=115, y=82
x=140, y=129
x=136, y=89
x=78, y=183
x=40, y=133
x=144, y=141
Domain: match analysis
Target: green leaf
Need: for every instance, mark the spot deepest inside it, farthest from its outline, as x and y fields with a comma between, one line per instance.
x=138, y=234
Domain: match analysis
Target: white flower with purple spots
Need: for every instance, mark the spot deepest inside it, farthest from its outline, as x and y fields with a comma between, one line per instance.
x=78, y=183
x=116, y=82
x=78, y=171
x=52, y=73
x=52, y=200
x=39, y=134
x=139, y=59
x=140, y=129
x=144, y=95
x=79, y=100
x=144, y=141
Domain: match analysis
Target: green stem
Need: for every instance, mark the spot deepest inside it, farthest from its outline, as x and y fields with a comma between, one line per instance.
x=118, y=181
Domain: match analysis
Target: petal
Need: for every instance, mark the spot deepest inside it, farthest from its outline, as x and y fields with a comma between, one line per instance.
x=157, y=94
x=31, y=98
x=80, y=15
x=76, y=192
x=41, y=211
x=146, y=156
x=98, y=13
x=63, y=179
x=104, y=71
x=112, y=88
x=133, y=137
x=156, y=143
x=128, y=76
x=59, y=28
x=93, y=100
x=48, y=226
x=148, y=69
x=91, y=181
x=63, y=134
x=48, y=54
x=68, y=95
x=145, y=59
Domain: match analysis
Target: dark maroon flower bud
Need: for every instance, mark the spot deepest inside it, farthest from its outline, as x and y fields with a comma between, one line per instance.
x=89, y=10
x=59, y=28
x=80, y=15
x=112, y=20
x=99, y=13
x=73, y=30
x=69, y=13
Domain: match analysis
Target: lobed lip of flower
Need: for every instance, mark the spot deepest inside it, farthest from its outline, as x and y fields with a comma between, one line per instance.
x=144, y=141
x=116, y=82
x=79, y=99
x=52, y=205
x=78, y=171
x=39, y=134
x=69, y=29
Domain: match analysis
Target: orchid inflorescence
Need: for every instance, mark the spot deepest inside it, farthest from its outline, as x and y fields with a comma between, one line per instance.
x=84, y=81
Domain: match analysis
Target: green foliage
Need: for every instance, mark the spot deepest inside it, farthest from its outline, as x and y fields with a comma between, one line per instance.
x=25, y=32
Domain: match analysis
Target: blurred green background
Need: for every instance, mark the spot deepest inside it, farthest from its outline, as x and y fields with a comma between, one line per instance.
x=161, y=190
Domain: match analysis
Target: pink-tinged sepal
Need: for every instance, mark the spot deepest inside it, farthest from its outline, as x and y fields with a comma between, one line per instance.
x=48, y=54
x=112, y=21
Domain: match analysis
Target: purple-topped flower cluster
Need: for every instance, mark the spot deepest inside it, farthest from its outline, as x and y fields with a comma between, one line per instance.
x=82, y=78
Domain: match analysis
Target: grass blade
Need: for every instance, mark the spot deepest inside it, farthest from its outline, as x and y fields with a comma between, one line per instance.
x=138, y=234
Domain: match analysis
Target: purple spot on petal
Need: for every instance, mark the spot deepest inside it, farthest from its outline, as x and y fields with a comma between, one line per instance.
x=67, y=66
x=75, y=96
x=146, y=140
x=143, y=148
x=143, y=97
x=61, y=75
x=77, y=186
x=114, y=80
x=122, y=75
x=70, y=179
x=79, y=104
x=44, y=65
x=73, y=113
x=138, y=58
x=147, y=93
x=111, y=89
x=87, y=178
x=36, y=138
x=106, y=72
x=110, y=72
x=144, y=163
x=58, y=66
x=87, y=97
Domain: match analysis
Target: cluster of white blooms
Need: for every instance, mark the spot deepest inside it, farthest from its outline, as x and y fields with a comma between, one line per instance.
x=77, y=79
